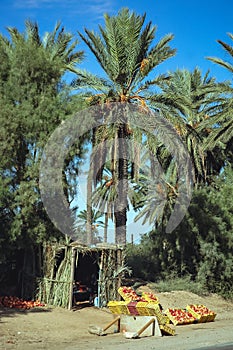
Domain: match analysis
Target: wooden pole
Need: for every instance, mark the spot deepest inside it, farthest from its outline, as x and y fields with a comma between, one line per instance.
x=132, y=238
x=72, y=278
x=100, y=280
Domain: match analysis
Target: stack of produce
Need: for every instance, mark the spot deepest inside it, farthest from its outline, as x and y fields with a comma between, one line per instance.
x=150, y=297
x=131, y=299
x=133, y=304
x=201, y=313
x=180, y=316
x=148, y=305
x=128, y=294
x=17, y=303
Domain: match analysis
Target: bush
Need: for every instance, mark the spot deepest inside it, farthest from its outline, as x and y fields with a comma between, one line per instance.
x=172, y=283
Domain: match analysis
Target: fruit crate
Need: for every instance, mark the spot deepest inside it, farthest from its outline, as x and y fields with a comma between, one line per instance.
x=128, y=294
x=154, y=310
x=150, y=297
x=211, y=316
x=118, y=307
x=200, y=312
x=167, y=329
x=132, y=308
x=142, y=308
x=180, y=316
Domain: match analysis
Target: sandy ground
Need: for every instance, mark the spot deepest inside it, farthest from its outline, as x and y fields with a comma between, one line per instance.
x=56, y=328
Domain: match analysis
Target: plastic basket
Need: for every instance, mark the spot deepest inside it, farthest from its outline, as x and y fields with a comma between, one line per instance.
x=185, y=317
x=150, y=297
x=142, y=308
x=118, y=307
x=198, y=314
x=154, y=310
x=132, y=308
x=128, y=294
x=167, y=329
x=211, y=316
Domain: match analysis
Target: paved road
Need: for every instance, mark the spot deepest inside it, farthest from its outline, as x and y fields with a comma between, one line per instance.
x=219, y=347
x=216, y=335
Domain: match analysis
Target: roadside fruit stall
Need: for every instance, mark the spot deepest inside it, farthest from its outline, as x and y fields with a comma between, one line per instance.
x=147, y=304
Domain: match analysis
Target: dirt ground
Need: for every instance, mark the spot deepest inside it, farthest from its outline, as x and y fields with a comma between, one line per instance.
x=56, y=328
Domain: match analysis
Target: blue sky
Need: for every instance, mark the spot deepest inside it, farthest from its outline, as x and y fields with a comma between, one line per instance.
x=196, y=26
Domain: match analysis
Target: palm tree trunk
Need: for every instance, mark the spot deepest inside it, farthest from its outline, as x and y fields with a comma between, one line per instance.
x=89, y=192
x=89, y=208
x=106, y=227
x=120, y=211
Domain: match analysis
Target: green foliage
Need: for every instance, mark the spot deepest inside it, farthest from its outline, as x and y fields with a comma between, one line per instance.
x=201, y=247
x=222, y=122
x=172, y=283
x=141, y=258
x=33, y=102
x=216, y=272
x=123, y=49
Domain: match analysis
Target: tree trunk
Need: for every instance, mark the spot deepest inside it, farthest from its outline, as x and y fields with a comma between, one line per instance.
x=89, y=207
x=106, y=227
x=89, y=190
x=120, y=210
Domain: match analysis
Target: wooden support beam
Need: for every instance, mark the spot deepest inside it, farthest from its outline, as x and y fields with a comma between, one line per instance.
x=72, y=278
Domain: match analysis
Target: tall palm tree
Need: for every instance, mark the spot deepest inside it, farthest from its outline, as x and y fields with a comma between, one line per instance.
x=222, y=122
x=188, y=100
x=124, y=51
x=229, y=50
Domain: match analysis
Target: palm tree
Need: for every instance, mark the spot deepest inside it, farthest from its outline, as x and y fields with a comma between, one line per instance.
x=229, y=49
x=188, y=100
x=95, y=223
x=222, y=122
x=105, y=195
x=124, y=51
